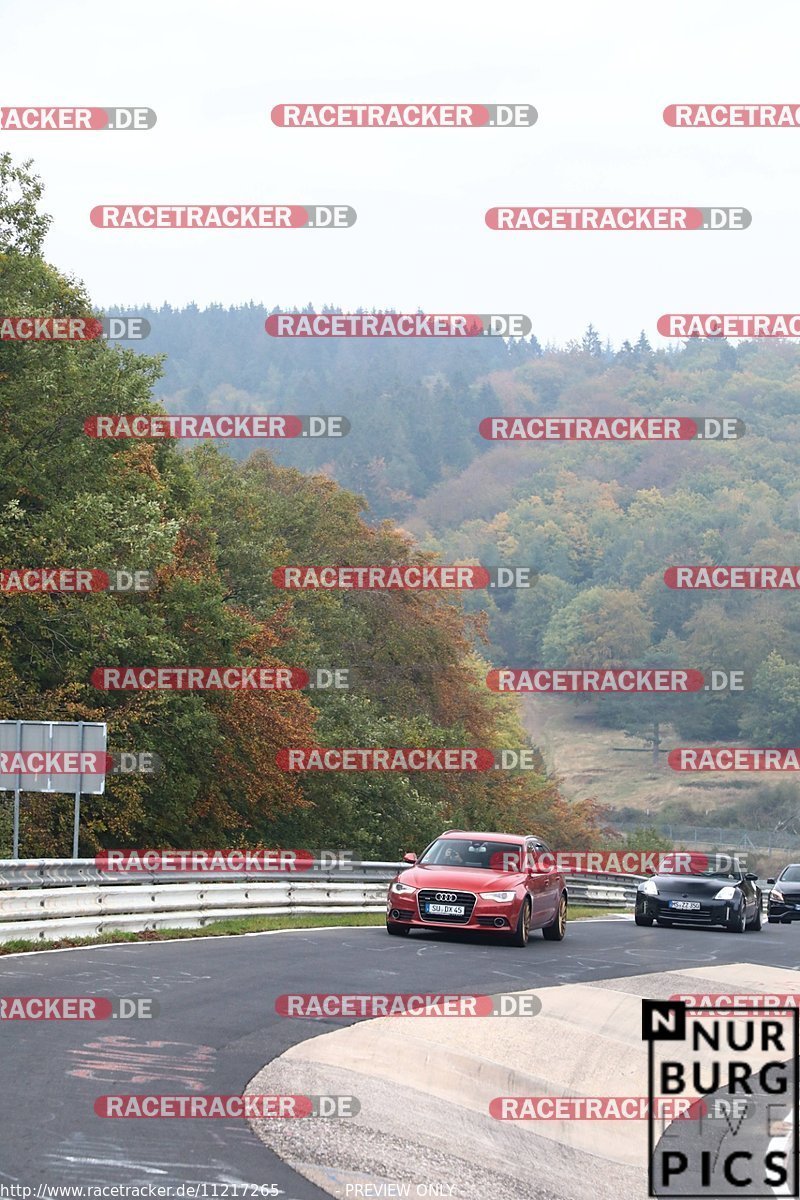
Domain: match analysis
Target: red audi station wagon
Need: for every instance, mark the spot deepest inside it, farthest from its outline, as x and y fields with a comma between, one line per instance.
x=483, y=882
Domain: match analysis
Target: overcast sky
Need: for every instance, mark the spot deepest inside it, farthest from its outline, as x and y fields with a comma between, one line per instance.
x=599, y=76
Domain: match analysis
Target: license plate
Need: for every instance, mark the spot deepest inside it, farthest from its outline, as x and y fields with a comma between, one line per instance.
x=445, y=910
x=684, y=904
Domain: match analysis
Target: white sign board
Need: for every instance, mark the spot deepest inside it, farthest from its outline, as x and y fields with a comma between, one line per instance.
x=27, y=762
x=21, y=738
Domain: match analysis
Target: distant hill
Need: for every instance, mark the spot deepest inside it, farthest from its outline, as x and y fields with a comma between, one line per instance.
x=599, y=523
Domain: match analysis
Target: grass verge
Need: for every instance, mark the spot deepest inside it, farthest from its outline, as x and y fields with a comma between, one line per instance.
x=236, y=925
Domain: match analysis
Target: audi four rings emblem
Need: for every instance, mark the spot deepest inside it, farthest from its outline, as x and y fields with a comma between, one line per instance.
x=447, y=895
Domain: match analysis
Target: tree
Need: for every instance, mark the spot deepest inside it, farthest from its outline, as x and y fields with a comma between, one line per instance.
x=772, y=716
x=591, y=343
x=600, y=627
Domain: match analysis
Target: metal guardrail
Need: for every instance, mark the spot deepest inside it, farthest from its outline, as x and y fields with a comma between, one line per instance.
x=55, y=913
x=78, y=872
x=61, y=898
x=603, y=891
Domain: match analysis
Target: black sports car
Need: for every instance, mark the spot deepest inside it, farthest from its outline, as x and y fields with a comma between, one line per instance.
x=784, y=899
x=716, y=896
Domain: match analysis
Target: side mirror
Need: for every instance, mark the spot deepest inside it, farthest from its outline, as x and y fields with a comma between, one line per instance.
x=770, y=881
x=410, y=857
x=752, y=877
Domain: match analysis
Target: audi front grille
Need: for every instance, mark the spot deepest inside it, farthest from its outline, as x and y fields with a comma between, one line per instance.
x=435, y=896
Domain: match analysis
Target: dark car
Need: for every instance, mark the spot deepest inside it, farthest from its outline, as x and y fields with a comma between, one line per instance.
x=784, y=899
x=718, y=895
x=496, y=883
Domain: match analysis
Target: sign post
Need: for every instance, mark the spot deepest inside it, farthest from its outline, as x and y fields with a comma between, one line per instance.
x=16, y=798
x=77, y=820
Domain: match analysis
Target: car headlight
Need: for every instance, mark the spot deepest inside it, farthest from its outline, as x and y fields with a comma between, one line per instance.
x=649, y=888
x=776, y=894
x=500, y=897
x=402, y=889
x=726, y=893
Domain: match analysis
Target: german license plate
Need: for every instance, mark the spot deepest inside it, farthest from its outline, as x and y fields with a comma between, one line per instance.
x=684, y=904
x=444, y=910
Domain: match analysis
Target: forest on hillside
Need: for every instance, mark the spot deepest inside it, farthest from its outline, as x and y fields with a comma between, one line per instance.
x=598, y=523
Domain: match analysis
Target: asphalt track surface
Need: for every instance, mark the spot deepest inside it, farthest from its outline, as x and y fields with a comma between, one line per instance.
x=217, y=1027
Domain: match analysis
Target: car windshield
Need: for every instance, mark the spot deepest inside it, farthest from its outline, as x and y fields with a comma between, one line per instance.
x=464, y=852
x=731, y=872
x=791, y=874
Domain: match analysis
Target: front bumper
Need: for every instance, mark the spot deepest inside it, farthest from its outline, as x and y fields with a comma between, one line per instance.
x=783, y=910
x=485, y=916
x=710, y=912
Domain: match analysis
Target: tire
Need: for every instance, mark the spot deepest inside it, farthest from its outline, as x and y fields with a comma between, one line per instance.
x=754, y=925
x=641, y=919
x=739, y=922
x=523, y=931
x=555, y=931
x=397, y=930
